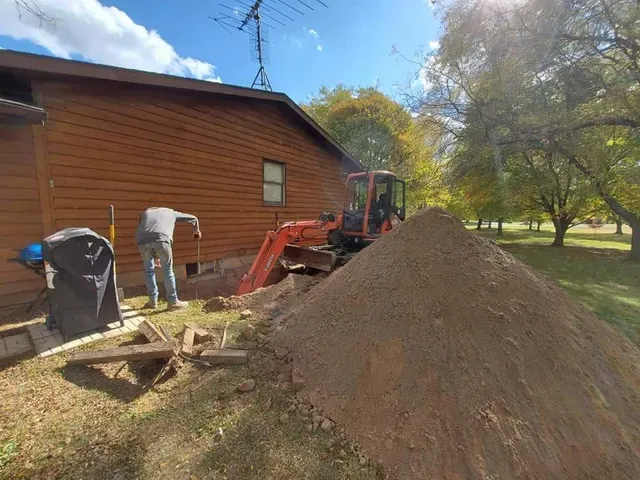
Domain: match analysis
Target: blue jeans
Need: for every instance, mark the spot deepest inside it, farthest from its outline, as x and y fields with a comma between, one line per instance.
x=162, y=251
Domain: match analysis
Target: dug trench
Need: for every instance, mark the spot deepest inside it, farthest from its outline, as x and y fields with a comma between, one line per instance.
x=445, y=357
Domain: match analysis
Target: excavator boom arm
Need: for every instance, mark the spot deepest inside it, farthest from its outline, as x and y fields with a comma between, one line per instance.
x=311, y=232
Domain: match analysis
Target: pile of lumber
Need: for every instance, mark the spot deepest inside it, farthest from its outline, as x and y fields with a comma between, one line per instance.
x=163, y=346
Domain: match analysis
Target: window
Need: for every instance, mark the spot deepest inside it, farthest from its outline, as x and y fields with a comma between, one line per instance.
x=273, y=175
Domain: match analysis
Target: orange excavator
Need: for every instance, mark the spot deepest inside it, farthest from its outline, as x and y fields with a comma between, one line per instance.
x=374, y=204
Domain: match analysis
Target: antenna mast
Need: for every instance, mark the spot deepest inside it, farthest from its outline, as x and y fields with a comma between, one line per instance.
x=248, y=19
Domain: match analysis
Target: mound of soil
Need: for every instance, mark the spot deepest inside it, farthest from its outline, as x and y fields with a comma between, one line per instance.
x=269, y=300
x=447, y=358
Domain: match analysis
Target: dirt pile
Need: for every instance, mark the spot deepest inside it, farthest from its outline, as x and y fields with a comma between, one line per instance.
x=270, y=300
x=446, y=358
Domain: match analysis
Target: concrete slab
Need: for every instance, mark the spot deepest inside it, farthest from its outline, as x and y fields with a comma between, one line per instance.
x=17, y=345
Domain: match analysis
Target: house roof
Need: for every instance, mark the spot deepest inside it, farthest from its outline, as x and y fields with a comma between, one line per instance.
x=50, y=65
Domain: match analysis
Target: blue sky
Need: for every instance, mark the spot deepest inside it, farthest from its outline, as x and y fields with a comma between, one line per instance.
x=356, y=38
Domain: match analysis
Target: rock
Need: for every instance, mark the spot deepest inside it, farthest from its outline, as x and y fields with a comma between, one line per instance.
x=281, y=353
x=281, y=377
x=317, y=418
x=315, y=427
x=218, y=435
x=297, y=382
x=363, y=461
x=388, y=443
x=245, y=314
x=431, y=438
x=292, y=408
x=310, y=427
x=326, y=425
x=342, y=454
x=267, y=405
x=364, y=470
x=261, y=336
x=284, y=418
x=304, y=412
x=323, y=455
x=248, y=332
x=411, y=446
x=247, y=385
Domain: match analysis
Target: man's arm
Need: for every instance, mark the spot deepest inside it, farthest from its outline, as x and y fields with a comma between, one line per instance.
x=192, y=219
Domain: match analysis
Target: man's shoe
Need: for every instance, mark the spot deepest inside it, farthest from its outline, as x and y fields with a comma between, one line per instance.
x=151, y=304
x=177, y=305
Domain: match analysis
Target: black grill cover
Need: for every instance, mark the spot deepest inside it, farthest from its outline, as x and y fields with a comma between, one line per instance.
x=82, y=285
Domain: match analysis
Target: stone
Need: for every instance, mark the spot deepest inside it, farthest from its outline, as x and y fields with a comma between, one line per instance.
x=267, y=405
x=297, y=382
x=323, y=455
x=247, y=385
x=284, y=418
x=281, y=353
x=364, y=470
x=363, y=461
x=326, y=425
x=248, y=332
x=411, y=446
x=304, y=412
x=342, y=454
x=388, y=443
x=315, y=427
x=310, y=427
x=292, y=408
x=261, y=336
x=245, y=314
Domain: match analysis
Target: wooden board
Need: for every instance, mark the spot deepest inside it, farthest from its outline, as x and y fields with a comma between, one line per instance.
x=149, y=330
x=200, y=333
x=128, y=353
x=225, y=356
x=187, y=341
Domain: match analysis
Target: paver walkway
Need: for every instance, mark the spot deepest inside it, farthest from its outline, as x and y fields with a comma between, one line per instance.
x=49, y=342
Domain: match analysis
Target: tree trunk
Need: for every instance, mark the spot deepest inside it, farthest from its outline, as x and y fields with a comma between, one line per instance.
x=489, y=227
x=618, y=226
x=616, y=207
x=479, y=226
x=530, y=224
x=500, y=220
x=635, y=243
x=538, y=227
x=561, y=224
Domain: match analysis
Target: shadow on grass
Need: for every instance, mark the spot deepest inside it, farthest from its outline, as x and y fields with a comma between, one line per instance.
x=87, y=377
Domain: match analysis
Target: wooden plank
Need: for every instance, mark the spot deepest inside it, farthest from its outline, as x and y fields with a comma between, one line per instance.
x=187, y=341
x=128, y=353
x=149, y=330
x=201, y=334
x=225, y=356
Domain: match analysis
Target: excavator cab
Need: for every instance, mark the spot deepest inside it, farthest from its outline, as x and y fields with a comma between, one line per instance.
x=374, y=204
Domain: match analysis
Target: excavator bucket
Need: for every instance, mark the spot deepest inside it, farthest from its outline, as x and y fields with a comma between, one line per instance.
x=310, y=257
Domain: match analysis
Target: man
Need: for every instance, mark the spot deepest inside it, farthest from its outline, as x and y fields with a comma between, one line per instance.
x=154, y=237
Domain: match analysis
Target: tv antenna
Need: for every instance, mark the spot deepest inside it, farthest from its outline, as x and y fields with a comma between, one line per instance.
x=248, y=18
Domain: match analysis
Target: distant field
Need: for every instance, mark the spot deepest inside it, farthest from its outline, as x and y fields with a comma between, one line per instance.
x=579, y=236
x=593, y=268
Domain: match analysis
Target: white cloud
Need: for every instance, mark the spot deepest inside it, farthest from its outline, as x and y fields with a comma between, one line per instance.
x=311, y=32
x=101, y=34
x=319, y=48
x=434, y=44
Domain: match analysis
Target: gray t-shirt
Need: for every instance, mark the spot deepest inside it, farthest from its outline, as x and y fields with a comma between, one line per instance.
x=157, y=224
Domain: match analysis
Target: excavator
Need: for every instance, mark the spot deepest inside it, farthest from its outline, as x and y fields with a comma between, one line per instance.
x=374, y=204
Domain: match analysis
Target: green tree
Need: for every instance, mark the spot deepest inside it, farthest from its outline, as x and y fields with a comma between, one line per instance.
x=382, y=135
x=551, y=81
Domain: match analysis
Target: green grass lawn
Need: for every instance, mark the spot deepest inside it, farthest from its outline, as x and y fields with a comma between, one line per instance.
x=594, y=269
